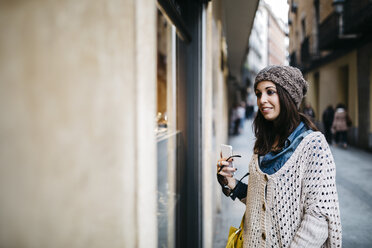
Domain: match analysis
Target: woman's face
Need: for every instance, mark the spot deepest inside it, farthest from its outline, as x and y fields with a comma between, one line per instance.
x=268, y=100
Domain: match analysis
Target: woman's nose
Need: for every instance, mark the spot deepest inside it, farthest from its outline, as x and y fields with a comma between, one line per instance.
x=263, y=98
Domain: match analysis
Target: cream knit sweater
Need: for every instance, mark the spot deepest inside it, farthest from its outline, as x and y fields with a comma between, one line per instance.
x=298, y=205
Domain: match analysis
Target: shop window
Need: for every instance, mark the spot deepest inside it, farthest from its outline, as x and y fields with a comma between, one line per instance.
x=165, y=76
x=303, y=26
x=166, y=133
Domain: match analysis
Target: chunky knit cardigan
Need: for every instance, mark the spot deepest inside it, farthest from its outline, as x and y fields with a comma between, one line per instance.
x=298, y=205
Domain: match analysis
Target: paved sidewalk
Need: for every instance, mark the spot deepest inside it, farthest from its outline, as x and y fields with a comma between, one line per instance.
x=232, y=211
x=354, y=185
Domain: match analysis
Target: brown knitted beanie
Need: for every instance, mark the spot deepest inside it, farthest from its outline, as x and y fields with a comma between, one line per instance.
x=290, y=78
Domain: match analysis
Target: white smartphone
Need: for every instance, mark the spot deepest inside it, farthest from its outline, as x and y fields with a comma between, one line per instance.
x=227, y=151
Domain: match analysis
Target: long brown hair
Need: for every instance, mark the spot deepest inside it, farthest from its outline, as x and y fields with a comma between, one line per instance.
x=289, y=118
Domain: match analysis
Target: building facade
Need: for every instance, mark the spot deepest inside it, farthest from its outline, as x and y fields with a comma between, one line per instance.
x=277, y=48
x=267, y=45
x=330, y=42
x=112, y=115
x=258, y=41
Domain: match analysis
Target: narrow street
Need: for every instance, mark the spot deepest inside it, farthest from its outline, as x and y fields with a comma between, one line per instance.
x=354, y=185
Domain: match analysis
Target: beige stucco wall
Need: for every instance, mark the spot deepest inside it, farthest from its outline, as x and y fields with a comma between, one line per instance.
x=208, y=156
x=296, y=35
x=77, y=149
x=330, y=90
x=325, y=9
x=312, y=93
x=306, y=11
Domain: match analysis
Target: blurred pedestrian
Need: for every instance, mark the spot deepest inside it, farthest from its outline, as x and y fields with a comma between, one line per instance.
x=291, y=197
x=328, y=115
x=239, y=116
x=250, y=108
x=233, y=118
x=309, y=111
x=341, y=124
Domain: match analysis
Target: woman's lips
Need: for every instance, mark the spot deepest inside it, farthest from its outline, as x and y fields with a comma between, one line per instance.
x=265, y=109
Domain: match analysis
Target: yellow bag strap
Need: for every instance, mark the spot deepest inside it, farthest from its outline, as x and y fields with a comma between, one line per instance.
x=232, y=239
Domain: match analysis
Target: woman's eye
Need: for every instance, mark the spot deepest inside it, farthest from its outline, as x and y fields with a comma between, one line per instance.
x=270, y=92
x=258, y=94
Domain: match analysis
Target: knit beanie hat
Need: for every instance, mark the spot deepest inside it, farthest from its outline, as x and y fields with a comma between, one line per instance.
x=288, y=77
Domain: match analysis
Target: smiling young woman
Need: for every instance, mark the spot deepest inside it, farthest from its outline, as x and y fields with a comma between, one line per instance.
x=268, y=100
x=291, y=197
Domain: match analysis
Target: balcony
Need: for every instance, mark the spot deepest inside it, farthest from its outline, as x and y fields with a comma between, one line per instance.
x=305, y=52
x=358, y=16
x=306, y=57
x=292, y=59
x=357, y=19
x=328, y=32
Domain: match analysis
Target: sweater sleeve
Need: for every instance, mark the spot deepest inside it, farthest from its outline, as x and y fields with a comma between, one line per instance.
x=321, y=225
x=240, y=191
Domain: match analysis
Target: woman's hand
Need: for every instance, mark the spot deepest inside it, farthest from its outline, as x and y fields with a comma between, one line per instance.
x=226, y=171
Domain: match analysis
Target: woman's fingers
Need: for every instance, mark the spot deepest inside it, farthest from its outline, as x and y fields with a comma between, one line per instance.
x=221, y=164
x=222, y=173
x=226, y=170
x=223, y=161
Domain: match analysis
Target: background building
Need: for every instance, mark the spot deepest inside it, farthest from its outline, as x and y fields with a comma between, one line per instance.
x=331, y=42
x=267, y=45
x=258, y=42
x=276, y=37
